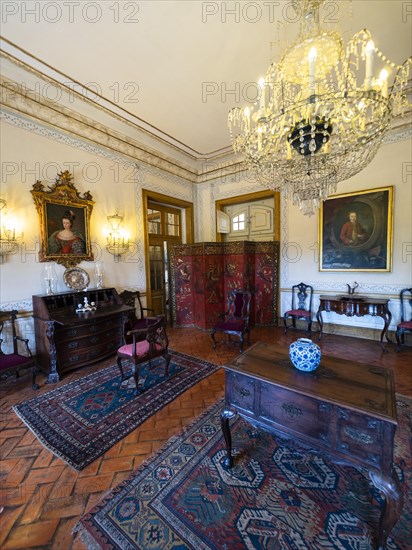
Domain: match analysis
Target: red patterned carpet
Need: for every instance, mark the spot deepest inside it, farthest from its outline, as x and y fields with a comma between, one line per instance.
x=275, y=496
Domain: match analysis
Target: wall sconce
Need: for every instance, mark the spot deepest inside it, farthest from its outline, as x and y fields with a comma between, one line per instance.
x=117, y=239
x=8, y=239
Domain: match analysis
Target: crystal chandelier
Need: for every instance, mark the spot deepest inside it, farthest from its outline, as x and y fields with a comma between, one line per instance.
x=321, y=113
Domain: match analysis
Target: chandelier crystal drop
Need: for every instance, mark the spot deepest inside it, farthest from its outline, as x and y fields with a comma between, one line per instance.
x=322, y=111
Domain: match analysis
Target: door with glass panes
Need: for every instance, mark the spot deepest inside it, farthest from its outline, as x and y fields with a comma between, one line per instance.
x=164, y=231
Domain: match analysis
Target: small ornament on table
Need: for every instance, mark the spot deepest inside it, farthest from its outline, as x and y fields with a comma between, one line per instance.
x=86, y=307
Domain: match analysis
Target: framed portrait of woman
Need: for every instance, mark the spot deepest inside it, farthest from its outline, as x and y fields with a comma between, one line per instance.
x=355, y=231
x=64, y=221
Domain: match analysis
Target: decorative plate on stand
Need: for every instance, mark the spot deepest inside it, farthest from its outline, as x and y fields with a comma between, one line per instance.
x=76, y=278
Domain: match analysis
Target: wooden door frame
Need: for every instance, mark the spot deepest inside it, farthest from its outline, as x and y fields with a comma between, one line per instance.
x=250, y=197
x=148, y=196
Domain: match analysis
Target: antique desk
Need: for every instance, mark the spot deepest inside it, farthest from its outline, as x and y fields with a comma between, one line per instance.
x=345, y=410
x=356, y=306
x=67, y=340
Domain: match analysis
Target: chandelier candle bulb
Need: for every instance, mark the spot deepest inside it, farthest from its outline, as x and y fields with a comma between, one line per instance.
x=383, y=78
x=288, y=151
x=312, y=62
x=247, y=114
x=262, y=94
x=370, y=48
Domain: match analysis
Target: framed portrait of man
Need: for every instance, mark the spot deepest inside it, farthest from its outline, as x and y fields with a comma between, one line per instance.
x=64, y=221
x=355, y=231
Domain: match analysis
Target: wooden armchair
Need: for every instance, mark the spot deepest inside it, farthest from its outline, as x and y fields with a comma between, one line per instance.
x=148, y=343
x=15, y=361
x=235, y=321
x=145, y=314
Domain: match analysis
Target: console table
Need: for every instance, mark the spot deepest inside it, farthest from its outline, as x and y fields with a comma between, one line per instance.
x=356, y=306
x=66, y=339
x=344, y=409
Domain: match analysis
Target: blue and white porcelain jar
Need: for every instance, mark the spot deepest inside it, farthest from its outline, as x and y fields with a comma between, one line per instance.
x=304, y=354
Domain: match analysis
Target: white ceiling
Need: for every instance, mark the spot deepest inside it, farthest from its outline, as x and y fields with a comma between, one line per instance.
x=170, y=52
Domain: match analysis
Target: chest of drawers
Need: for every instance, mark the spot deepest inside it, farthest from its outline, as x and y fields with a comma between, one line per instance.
x=66, y=339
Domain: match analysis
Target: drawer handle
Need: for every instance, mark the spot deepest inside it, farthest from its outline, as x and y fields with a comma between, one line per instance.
x=94, y=340
x=291, y=410
x=358, y=435
x=74, y=358
x=72, y=332
x=73, y=345
x=242, y=391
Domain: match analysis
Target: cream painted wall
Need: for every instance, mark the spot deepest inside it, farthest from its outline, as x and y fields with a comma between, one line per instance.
x=299, y=235
x=391, y=167
x=31, y=152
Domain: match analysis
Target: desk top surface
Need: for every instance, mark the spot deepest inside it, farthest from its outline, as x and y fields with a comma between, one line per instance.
x=358, y=386
x=71, y=317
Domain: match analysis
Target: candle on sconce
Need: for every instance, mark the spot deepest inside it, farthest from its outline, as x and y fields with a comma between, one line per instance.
x=312, y=63
x=369, y=51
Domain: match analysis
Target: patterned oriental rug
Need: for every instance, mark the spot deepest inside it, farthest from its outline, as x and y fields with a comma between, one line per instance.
x=275, y=497
x=83, y=419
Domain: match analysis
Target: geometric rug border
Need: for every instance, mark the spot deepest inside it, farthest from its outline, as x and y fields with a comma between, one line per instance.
x=84, y=533
x=82, y=381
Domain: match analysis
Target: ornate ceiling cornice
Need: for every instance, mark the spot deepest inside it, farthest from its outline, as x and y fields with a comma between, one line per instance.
x=19, y=99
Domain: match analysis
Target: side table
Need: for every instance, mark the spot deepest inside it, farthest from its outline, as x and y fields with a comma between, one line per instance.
x=357, y=306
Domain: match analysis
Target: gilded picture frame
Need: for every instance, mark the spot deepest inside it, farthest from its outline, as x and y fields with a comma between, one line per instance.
x=355, y=231
x=64, y=221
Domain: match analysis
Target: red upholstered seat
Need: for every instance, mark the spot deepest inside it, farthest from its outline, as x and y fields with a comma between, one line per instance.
x=141, y=349
x=405, y=325
x=301, y=307
x=235, y=321
x=298, y=312
x=148, y=343
x=15, y=361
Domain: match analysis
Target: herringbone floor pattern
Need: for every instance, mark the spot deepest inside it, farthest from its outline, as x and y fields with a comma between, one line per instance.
x=43, y=498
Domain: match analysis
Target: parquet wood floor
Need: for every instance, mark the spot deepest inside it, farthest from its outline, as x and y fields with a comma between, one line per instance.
x=43, y=498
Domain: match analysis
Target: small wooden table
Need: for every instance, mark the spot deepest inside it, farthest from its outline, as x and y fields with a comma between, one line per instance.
x=358, y=306
x=345, y=409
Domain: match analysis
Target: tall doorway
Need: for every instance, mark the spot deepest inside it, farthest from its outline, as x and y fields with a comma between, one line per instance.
x=168, y=222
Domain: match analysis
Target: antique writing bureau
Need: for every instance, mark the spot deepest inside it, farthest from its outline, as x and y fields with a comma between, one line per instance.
x=66, y=339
